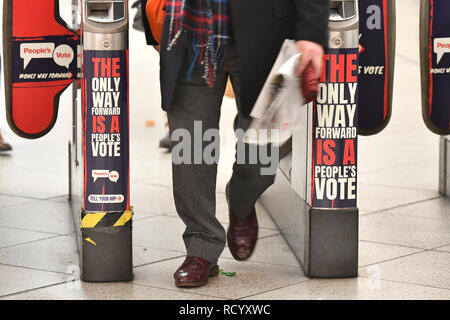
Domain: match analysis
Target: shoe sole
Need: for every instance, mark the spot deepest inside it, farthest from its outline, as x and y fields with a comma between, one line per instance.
x=214, y=272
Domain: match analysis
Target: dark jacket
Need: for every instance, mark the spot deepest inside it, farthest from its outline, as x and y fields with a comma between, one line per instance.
x=259, y=28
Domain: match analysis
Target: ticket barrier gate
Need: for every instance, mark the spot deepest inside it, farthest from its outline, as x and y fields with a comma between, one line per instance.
x=313, y=200
x=40, y=56
x=105, y=223
x=435, y=71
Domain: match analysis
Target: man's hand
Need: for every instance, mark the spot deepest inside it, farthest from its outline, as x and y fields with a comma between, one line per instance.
x=311, y=53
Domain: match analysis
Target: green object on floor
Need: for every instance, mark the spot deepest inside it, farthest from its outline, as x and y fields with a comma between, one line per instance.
x=228, y=274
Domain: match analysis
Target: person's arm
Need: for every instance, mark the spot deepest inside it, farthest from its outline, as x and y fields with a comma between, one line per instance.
x=148, y=32
x=311, y=32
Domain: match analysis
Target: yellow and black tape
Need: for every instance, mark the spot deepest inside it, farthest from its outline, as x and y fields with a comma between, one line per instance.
x=105, y=219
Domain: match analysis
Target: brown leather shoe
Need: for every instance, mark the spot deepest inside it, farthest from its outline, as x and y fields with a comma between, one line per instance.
x=195, y=272
x=242, y=234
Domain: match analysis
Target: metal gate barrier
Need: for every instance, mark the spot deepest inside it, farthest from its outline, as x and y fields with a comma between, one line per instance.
x=43, y=57
x=435, y=71
x=313, y=200
x=105, y=226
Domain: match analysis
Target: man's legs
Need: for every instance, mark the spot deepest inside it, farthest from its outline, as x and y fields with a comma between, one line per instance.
x=247, y=183
x=197, y=109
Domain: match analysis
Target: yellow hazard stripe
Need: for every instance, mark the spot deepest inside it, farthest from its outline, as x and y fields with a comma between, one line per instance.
x=91, y=241
x=127, y=215
x=90, y=220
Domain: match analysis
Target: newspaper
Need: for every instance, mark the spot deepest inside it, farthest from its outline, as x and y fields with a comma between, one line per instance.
x=278, y=106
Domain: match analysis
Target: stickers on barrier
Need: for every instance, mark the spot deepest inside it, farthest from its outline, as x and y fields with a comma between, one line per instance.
x=40, y=63
x=435, y=64
x=376, y=64
x=105, y=112
x=335, y=132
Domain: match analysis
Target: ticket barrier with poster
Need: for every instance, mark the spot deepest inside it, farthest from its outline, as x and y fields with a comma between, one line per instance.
x=40, y=56
x=435, y=70
x=313, y=200
x=100, y=141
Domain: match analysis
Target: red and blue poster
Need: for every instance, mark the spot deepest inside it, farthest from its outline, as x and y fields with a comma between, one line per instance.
x=335, y=133
x=106, y=131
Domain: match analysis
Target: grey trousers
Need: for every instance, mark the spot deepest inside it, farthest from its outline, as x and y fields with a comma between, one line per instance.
x=194, y=185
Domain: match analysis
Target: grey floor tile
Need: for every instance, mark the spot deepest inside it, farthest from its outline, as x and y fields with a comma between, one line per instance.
x=8, y=201
x=105, y=291
x=389, y=228
x=14, y=279
x=371, y=253
x=275, y=250
x=57, y=254
x=40, y=215
x=148, y=200
x=432, y=209
x=251, y=278
x=423, y=175
x=354, y=289
x=363, y=212
x=11, y=236
x=23, y=181
x=159, y=232
x=62, y=198
x=429, y=268
x=386, y=152
x=444, y=248
x=375, y=197
x=154, y=170
x=144, y=255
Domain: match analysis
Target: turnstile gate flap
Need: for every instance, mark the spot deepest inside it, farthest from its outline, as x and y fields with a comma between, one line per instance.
x=376, y=64
x=435, y=65
x=40, y=63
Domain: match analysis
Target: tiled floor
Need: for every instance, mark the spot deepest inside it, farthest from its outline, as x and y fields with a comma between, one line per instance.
x=404, y=223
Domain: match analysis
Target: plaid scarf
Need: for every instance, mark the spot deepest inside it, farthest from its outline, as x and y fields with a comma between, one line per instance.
x=206, y=24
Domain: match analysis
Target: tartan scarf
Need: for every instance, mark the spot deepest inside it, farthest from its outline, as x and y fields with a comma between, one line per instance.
x=206, y=24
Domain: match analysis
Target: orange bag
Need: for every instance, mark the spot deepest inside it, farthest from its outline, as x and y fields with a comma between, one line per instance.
x=155, y=15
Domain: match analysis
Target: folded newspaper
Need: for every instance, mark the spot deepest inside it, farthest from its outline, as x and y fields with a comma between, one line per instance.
x=278, y=106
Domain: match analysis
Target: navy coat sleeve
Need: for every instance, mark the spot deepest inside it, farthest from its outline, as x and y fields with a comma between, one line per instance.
x=312, y=21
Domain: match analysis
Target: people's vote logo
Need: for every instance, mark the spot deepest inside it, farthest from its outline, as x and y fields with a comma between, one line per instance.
x=62, y=55
x=441, y=47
